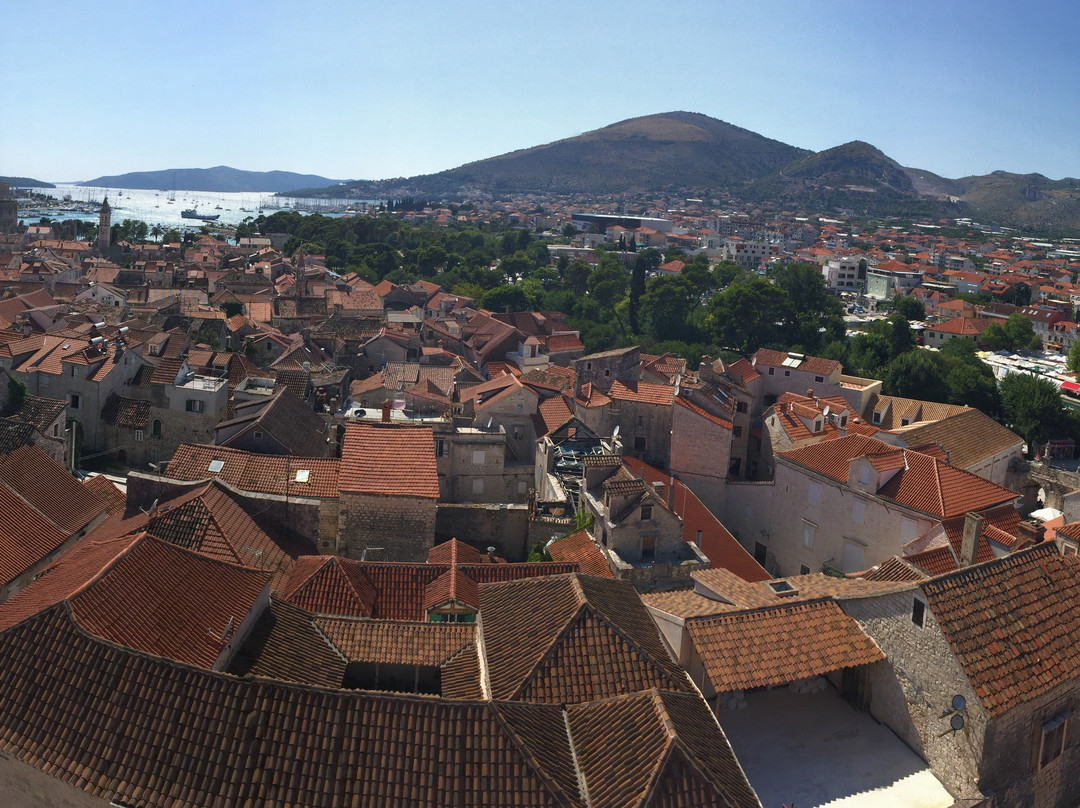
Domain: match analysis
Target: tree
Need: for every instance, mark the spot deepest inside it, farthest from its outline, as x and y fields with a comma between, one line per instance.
x=502, y=298
x=901, y=340
x=607, y=283
x=16, y=396
x=666, y=308
x=1032, y=407
x=909, y=307
x=637, y=289
x=916, y=374
x=1072, y=364
x=747, y=314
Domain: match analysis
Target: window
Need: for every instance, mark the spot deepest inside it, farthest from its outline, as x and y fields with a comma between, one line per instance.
x=772, y=371
x=138, y=434
x=56, y=430
x=193, y=405
x=641, y=420
x=440, y=447
x=787, y=372
x=736, y=432
x=74, y=400
x=804, y=570
x=646, y=513
x=761, y=553
x=858, y=512
x=740, y=406
x=819, y=378
x=735, y=466
x=44, y=382
x=73, y=371
x=588, y=366
x=648, y=548
x=854, y=557
x=877, y=417
x=156, y=428
x=478, y=485
x=864, y=475
x=640, y=443
x=478, y=457
x=519, y=432
x=918, y=612
x=817, y=426
x=813, y=490
x=808, y=531
x=843, y=420
x=258, y=435
x=519, y=407
x=1052, y=738
x=697, y=538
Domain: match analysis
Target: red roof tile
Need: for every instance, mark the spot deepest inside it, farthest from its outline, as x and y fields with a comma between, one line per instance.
x=390, y=460
x=1011, y=623
x=779, y=644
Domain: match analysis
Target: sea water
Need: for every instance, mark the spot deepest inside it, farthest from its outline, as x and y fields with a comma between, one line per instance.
x=163, y=207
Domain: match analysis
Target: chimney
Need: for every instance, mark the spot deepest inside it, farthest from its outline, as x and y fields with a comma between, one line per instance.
x=969, y=543
x=386, y=411
x=491, y=554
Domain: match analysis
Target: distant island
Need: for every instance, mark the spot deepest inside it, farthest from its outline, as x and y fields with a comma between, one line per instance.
x=26, y=182
x=221, y=179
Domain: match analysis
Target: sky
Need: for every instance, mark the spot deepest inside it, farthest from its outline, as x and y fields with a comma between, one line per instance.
x=366, y=89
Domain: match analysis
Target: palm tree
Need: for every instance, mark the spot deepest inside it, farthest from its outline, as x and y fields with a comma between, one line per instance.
x=157, y=232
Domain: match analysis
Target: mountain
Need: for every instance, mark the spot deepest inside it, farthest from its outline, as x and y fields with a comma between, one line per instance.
x=656, y=152
x=26, y=182
x=693, y=153
x=219, y=178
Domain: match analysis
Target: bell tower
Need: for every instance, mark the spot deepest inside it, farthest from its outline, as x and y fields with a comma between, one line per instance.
x=104, y=225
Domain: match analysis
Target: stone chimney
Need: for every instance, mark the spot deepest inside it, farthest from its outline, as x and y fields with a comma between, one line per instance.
x=969, y=544
x=386, y=411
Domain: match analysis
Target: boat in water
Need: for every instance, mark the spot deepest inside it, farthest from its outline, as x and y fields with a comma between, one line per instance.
x=193, y=213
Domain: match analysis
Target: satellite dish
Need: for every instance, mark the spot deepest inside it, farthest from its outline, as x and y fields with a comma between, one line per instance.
x=615, y=432
x=825, y=412
x=959, y=702
x=957, y=721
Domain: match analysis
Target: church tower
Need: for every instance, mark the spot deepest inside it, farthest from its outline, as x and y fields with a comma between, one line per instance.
x=9, y=209
x=104, y=225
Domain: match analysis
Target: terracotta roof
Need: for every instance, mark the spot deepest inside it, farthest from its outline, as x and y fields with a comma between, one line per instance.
x=694, y=408
x=40, y=412
x=390, y=460
x=397, y=643
x=779, y=644
x=921, y=482
x=579, y=548
x=1011, y=623
x=126, y=412
x=285, y=644
x=810, y=364
x=152, y=732
x=685, y=758
x=642, y=392
x=686, y=603
x=551, y=413
x=387, y=590
x=125, y=591
x=968, y=437
x=102, y=486
x=47, y=486
x=544, y=638
x=247, y=471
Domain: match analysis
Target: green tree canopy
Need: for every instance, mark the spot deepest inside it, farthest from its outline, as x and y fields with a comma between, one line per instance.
x=1031, y=406
x=909, y=307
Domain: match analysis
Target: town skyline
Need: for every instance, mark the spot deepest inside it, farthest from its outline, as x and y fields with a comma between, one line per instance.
x=387, y=94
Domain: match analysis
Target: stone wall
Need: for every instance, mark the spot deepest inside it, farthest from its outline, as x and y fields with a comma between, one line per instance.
x=700, y=456
x=912, y=691
x=504, y=527
x=402, y=528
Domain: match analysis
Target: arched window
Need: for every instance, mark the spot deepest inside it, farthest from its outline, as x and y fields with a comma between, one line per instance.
x=157, y=428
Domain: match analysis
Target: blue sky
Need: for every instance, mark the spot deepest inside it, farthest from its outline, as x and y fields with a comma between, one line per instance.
x=370, y=90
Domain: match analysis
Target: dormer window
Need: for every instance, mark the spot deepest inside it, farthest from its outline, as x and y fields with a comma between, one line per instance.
x=877, y=417
x=864, y=475
x=817, y=426
x=646, y=513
